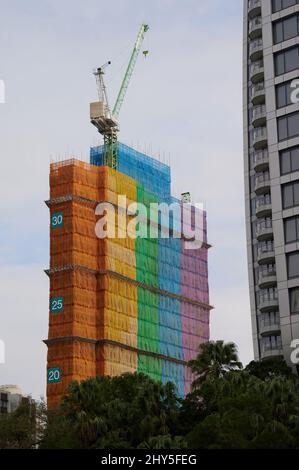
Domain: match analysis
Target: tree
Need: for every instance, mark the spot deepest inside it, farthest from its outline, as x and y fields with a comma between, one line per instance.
x=18, y=429
x=119, y=412
x=214, y=359
x=242, y=411
x=269, y=368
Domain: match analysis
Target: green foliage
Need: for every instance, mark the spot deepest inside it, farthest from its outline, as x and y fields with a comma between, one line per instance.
x=228, y=408
x=269, y=368
x=214, y=360
x=18, y=429
x=118, y=412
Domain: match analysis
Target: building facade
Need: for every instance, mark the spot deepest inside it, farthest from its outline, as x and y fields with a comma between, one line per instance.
x=271, y=168
x=10, y=398
x=121, y=303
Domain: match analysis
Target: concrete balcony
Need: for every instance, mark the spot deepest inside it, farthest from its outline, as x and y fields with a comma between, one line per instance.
x=255, y=28
x=260, y=137
x=268, y=305
x=258, y=94
x=267, y=280
x=267, y=330
x=263, y=210
x=256, y=49
x=264, y=232
x=257, y=71
x=261, y=160
x=265, y=257
x=262, y=186
x=271, y=352
x=259, y=115
x=254, y=8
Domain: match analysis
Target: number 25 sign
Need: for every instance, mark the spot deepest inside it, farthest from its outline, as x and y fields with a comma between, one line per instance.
x=56, y=304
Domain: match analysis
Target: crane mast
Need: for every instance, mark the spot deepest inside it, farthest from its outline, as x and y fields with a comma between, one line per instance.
x=100, y=114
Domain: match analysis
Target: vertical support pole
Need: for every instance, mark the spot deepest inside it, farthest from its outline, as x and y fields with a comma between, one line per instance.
x=111, y=150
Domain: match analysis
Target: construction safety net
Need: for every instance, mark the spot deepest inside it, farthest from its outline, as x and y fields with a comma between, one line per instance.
x=126, y=302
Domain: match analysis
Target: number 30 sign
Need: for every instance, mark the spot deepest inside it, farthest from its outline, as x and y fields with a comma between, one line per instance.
x=57, y=220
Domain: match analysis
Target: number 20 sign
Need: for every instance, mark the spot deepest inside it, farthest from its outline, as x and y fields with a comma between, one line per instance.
x=56, y=304
x=54, y=375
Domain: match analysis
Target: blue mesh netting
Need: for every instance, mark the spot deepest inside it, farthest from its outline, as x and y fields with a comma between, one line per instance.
x=154, y=175
x=170, y=327
x=169, y=264
x=172, y=372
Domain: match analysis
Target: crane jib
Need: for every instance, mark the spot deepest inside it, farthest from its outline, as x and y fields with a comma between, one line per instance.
x=121, y=95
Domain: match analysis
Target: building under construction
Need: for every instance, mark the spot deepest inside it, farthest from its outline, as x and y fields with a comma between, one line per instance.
x=120, y=304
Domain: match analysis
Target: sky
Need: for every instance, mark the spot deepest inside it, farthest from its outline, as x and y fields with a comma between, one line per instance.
x=184, y=104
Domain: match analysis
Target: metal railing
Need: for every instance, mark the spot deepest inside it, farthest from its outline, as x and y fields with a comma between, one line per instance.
x=256, y=23
x=254, y=4
x=255, y=45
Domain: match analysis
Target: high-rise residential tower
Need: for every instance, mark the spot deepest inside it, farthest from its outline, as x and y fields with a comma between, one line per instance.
x=122, y=303
x=271, y=168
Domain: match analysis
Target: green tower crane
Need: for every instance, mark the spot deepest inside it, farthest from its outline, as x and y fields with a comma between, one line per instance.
x=100, y=115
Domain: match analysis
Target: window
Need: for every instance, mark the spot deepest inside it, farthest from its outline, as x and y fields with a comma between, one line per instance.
x=294, y=301
x=270, y=343
x=285, y=29
x=291, y=229
x=293, y=264
x=278, y=5
x=267, y=270
x=287, y=60
x=290, y=195
x=288, y=126
x=269, y=319
x=3, y=402
x=263, y=224
x=267, y=295
x=265, y=247
x=289, y=160
x=283, y=94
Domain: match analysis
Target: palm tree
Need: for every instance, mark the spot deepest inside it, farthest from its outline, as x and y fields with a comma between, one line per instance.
x=214, y=359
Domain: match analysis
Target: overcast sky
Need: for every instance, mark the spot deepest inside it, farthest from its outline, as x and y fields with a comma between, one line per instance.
x=184, y=101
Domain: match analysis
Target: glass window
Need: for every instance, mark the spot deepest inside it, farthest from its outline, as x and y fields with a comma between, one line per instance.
x=290, y=230
x=294, y=300
x=278, y=32
x=287, y=196
x=288, y=126
x=291, y=59
x=289, y=160
x=295, y=159
x=296, y=193
x=279, y=63
x=293, y=264
x=286, y=61
x=290, y=27
x=293, y=125
x=278, y=5
x=281, y=96
x=282, y=128
x=285, y=29
x=285, y=162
